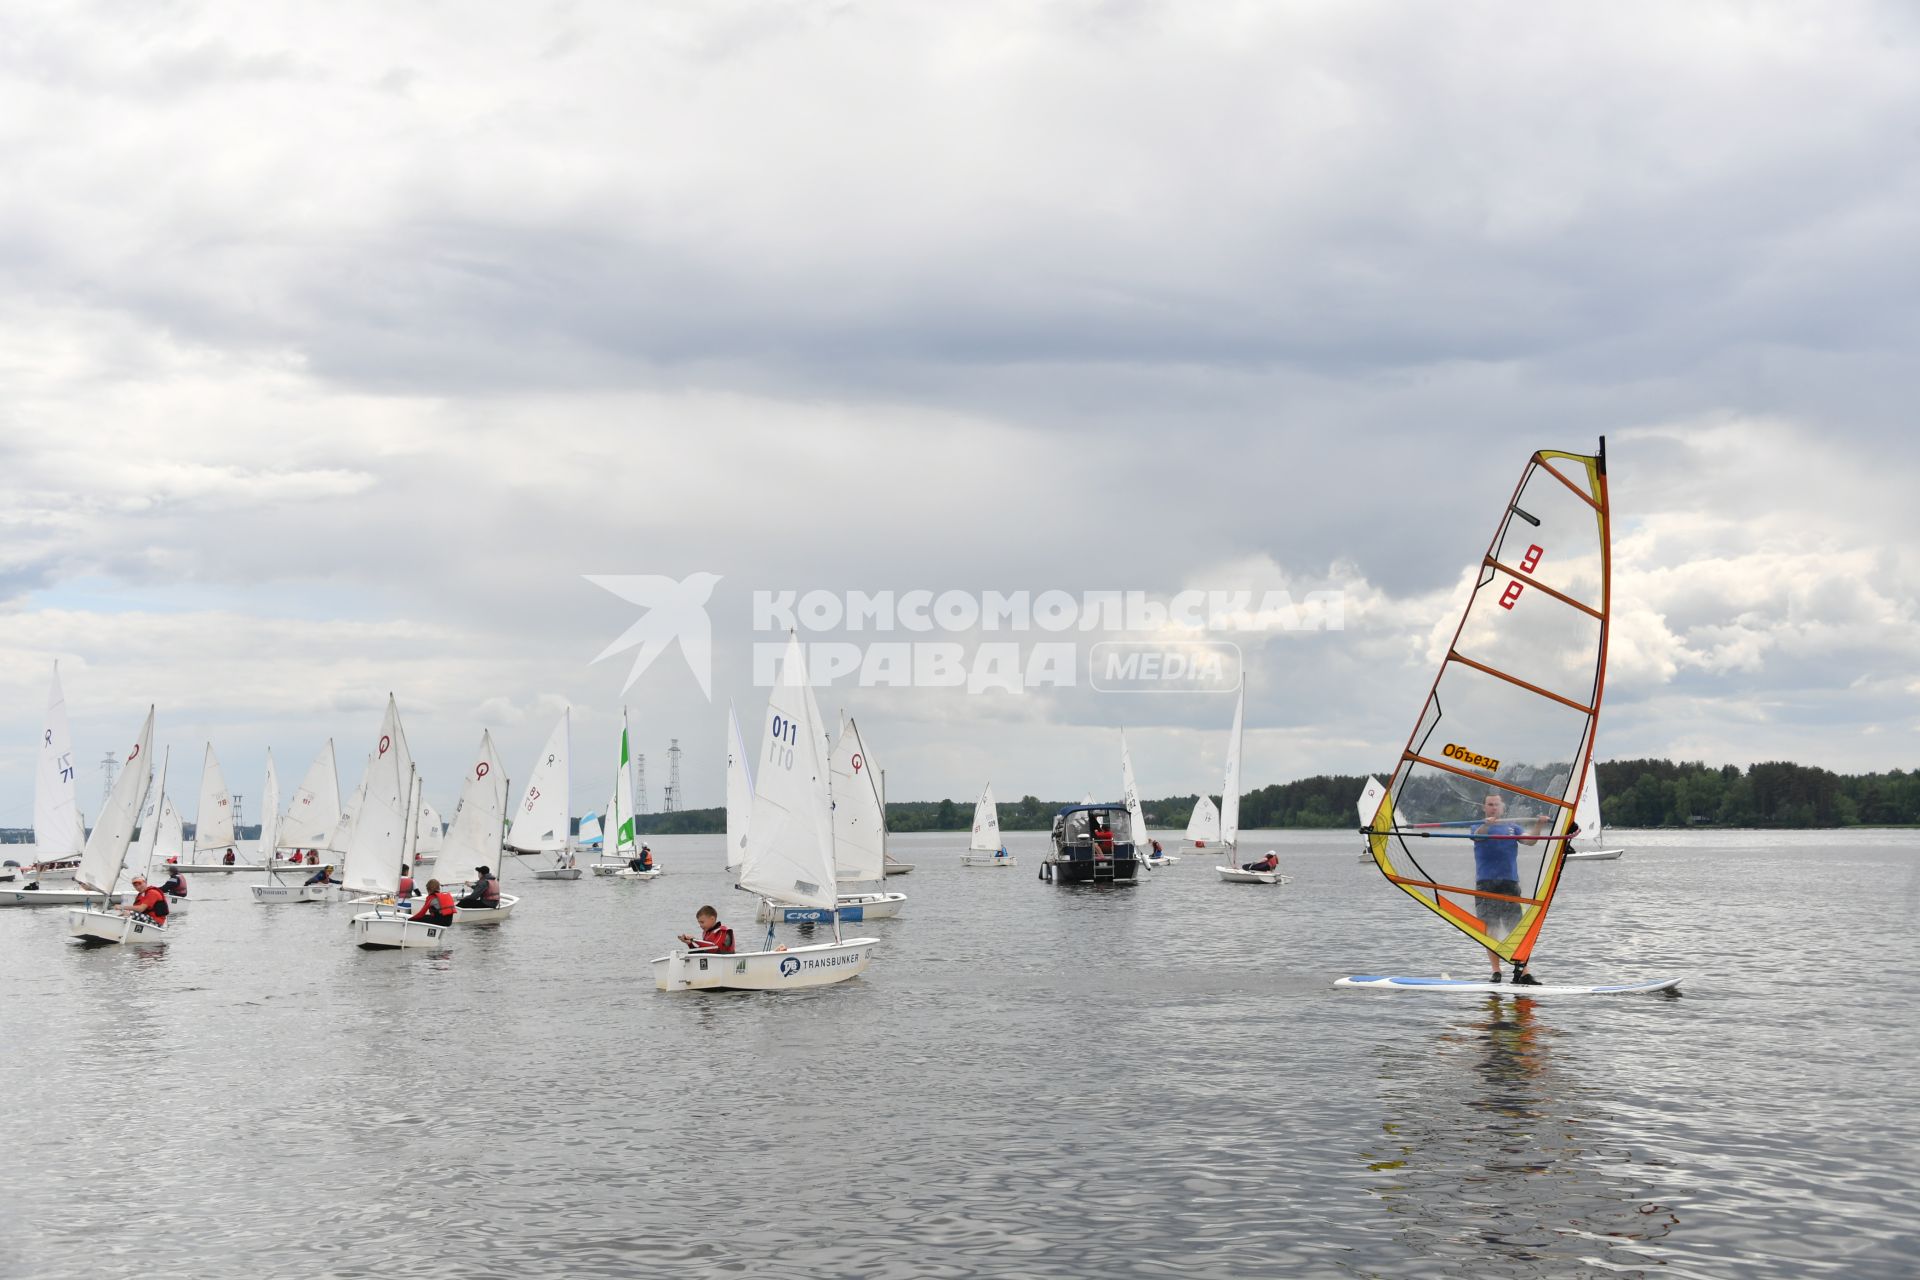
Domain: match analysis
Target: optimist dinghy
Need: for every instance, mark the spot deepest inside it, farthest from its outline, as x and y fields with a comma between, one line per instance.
x=381, y=839
x=985, y=848
x=105, y=857
x=788, y=856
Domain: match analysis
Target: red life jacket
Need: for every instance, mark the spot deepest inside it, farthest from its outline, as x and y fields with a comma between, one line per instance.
x=490, y=892
x=151, y=902
x=440, y=903
x=718, y=939
x=406, y=887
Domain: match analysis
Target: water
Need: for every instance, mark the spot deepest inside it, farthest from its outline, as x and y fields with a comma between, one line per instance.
x=1031, y=1081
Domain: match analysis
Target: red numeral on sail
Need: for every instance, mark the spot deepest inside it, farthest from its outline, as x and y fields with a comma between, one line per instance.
x=1511, y=594
x=1531, y=561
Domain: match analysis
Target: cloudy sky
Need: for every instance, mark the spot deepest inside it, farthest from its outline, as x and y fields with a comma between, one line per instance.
x=338, y=342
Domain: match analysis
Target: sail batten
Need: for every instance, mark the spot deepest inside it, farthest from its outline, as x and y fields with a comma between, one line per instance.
x=1475, y=822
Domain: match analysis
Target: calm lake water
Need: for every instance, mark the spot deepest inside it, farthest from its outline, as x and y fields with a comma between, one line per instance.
x=1030, y=1081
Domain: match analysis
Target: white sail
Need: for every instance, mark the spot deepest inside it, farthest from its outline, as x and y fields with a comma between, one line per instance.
x=544, y=820
x=213, y=821
x=1087, y=798
x=473, y=839
x=57, y=829
x=739, y=792
x=986, y=823
x=1204, y=825
x=1230, y=792
x=313, y=813
x=1137, y=817
x=789, y=851
x=377, y=844
x=106, y=848
x=170, y=843
x=270, y=813
x=859, y=826
x=144, y=856
x=1587, y=812
x=620, y=834
x=430, y=835
x=343, y=829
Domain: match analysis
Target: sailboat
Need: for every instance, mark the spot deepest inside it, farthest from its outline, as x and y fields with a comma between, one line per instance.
x=859, y=842
x=622, y=832
x=474, y=838
x=1587, y=817
x=788, y=856
x=274, y=888
x=213, y=834
x=590, y=836
x=542, y=827
x=1233, y=872
x=1204, y=825
x=59, y=835
x=985, y=848
x=312, y=817
x=1130, y=793
x=429, y=835
x=380, y=839
x=105, y=855
x=1498, y=757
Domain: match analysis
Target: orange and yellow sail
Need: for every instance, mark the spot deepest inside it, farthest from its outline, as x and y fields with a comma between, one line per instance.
x=1496, y=761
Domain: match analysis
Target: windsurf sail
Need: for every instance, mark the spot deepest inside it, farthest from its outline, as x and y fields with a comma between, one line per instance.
x=1474, y=824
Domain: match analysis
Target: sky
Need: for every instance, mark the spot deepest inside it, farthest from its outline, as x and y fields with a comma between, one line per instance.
x=340, y=344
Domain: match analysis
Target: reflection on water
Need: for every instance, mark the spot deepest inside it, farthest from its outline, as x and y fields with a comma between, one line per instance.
x=1030, y=1080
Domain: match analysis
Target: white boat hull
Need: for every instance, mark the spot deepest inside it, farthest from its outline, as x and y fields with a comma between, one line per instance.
x=987, y=860
x=1595, y=855
x=210, y=868
x=628, y=873
x=1239, y=875
x=559, y=873
x=608, y=868
x=176, y=906
x=788, y=970
x=50, y=898
x=899, y=868
x=854, y=908
x=487, y=915
x=1469, y=986
x=50, y=873
x=292, y=892
x=108, y=928
x=389, y=931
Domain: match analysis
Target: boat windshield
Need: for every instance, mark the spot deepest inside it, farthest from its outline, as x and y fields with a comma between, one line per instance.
x=1103, y=827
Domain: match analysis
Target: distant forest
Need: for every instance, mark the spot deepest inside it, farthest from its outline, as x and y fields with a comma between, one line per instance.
x=1633, y=793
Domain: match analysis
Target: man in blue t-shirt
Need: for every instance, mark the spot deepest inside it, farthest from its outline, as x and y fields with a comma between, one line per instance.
x=1496, y=869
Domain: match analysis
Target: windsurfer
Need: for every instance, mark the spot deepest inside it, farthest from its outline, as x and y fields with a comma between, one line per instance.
x=1496, y=869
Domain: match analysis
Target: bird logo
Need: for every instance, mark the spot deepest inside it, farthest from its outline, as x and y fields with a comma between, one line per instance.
x=674, y=611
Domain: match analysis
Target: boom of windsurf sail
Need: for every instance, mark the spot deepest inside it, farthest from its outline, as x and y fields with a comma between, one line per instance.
x=1495, y=765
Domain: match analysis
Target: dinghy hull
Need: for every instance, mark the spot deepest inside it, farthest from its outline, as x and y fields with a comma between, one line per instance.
x=384, y=931
x=559, y=873
x=291, y=892
x=110, y=928
x=899, y=868
x=50, y=898
x=487, y=915
x=854, y=908
x=1594, y=855
x=986, y=860
x=628, y=873
x=1239, y=875
x=1469, y=986
x=788, y=970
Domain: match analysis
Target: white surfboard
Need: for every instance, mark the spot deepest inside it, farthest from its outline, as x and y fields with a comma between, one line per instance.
x=1480, y=986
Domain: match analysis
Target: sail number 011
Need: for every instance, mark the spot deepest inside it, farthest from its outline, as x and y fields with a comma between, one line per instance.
x=785, y=737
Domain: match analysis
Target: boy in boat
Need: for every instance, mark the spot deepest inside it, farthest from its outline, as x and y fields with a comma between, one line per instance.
x=227, y=859
x=486, y=891
x=176, y=885
x=1269, y=863
x=642, y=862
x=405, y=890
x=148, y=901
x=1496, y=869
x=714, y=936
x=323, y=876
x=438, y=907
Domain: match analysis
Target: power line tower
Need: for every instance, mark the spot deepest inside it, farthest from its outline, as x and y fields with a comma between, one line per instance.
x=672, y=804
x=239, y=813
x=108, y=767
x=640, y=784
